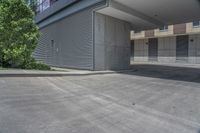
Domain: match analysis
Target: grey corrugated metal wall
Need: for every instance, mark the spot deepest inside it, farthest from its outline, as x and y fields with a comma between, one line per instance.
x=72, y=39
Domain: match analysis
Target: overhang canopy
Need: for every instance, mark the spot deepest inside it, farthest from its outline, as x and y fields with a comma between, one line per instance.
x=147, y=14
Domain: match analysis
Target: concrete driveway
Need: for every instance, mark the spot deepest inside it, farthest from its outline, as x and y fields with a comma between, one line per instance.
x=150, y=99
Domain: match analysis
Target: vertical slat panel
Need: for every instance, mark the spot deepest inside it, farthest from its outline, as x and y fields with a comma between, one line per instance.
x=198, y=49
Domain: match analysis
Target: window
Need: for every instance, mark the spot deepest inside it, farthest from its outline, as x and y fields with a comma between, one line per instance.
x=43, y=5
x=52, y=1
x=196, y=23
x=137, y=32
x=164, y=28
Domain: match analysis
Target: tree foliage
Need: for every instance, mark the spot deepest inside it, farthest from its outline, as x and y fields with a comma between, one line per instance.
x=18, y=33
x=32, y=4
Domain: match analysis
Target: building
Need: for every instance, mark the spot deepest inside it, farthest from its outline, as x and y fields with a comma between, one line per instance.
x=95, y=34
x=178, y=43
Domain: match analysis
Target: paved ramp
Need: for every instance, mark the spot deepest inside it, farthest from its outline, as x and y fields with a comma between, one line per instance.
x=112, y=103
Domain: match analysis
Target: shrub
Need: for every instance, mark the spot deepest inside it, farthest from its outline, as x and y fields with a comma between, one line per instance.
x=33, y=64
x=18, y=34
x=37, y=66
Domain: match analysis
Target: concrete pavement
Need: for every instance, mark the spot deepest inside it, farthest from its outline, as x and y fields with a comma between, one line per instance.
x=149, y=100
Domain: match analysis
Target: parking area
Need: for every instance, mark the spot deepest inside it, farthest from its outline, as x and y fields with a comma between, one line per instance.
x=148, y=99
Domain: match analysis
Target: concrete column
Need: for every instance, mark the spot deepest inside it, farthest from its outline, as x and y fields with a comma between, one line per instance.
x=112, y=43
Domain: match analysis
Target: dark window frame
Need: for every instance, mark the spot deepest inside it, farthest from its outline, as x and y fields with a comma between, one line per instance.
x=164, y=28
x=196, y=23
x=137, y=32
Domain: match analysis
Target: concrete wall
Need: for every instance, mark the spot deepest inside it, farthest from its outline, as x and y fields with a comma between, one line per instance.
x=141, y=50
x=192, y=30
x=112, y=43
x=167, y=49
x=137, y=35
x=168, y=32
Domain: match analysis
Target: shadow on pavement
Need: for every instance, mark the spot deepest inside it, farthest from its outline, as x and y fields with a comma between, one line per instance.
x=166, y=72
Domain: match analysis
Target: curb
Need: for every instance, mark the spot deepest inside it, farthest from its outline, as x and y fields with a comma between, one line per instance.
x=59, y=74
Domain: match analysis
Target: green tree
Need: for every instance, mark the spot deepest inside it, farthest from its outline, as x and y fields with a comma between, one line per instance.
x=32, y=4
x=18, y=33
